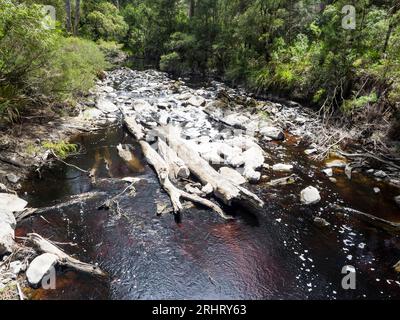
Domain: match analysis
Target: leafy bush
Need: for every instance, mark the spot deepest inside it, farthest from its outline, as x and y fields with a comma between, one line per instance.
x=61, y=149
x=25, y=48
x=355, y=103
x=171, y=62
x=73, y=68
x=36, y=61
x=111, y=49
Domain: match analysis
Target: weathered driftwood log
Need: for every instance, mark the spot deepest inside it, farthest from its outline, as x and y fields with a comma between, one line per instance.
x=176, y=166
x=284, y=181
x=223, y=189
x=134, y=128
x=175, y=194
x=376, y=221
x=74, y=201
x=45, y=246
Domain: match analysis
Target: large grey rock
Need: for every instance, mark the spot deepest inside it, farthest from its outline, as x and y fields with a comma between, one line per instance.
x=236, y=120
x=380, y=174
x=196, y=101
x=8, y=217
x=13, y=178
x=39, y=267
x=328, y=172
x=106, y=105
x=92, y=113
x=310, y=196
x=272, y=132
x=336, y=164
x=11, y=202
x=6, y=238
x=232, y=175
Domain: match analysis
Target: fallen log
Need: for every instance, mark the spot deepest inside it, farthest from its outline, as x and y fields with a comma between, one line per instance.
x=28, y=212
x=284, y=181
x=175, y=194
x=134, y=128
x=369, y=218
x=223, y=189
x=42, y=245
x=177, y=168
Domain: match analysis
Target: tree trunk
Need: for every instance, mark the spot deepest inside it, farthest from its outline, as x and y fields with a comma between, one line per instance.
x=175, y=194
x=68, y=24
x=77, y=16
x=192, y=6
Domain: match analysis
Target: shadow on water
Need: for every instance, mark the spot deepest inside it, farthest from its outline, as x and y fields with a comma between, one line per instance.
x=276, y=254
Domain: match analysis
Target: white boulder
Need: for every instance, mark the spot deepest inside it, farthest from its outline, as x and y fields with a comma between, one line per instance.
x=272, y=132
x=310, y=196
x=39, y=267
x=6, y=238
x=11, y=202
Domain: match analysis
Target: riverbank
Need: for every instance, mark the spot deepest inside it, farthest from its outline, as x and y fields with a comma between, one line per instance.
x=285, y=135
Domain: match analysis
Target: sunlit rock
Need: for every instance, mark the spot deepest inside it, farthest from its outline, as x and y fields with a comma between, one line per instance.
x=310, y=196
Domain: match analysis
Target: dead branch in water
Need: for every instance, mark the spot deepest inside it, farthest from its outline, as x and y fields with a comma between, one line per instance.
x=74, y=201
x=369, y=218
x=45, y=246
x=371, y=156
x=69, y=164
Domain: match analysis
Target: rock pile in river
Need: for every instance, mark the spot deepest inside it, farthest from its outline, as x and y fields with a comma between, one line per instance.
x=157, y=100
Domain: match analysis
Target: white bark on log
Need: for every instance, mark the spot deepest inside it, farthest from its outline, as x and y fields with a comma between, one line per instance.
x=45, y=246
x=134, y=128
x=223, y=189
x=175, y=194
x=177, y=168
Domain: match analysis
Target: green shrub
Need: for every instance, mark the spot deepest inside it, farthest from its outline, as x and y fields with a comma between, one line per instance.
x=355, y=103
x=73, y=68
x=25, y=48
x=111, y=50
x=171, y=62
x=61, y=149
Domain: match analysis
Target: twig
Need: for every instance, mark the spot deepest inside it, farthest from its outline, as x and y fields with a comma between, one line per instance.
x=21, y=295
x=68, y=164
x=368, y=155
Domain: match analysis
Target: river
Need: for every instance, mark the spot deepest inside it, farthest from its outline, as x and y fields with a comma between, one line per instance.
x=277, y=253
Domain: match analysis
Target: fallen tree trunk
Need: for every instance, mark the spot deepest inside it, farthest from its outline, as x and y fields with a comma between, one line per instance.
x=45, y=246
x=175, y=194
x=177, y=168
x=28, y=212
x=134, y=128
x=223, y=189
x=376, y=221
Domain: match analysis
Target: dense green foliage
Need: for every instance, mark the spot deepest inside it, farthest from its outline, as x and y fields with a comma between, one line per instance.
x=38, y=63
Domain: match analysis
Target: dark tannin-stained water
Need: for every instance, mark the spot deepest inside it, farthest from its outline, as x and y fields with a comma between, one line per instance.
x=278, y=253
